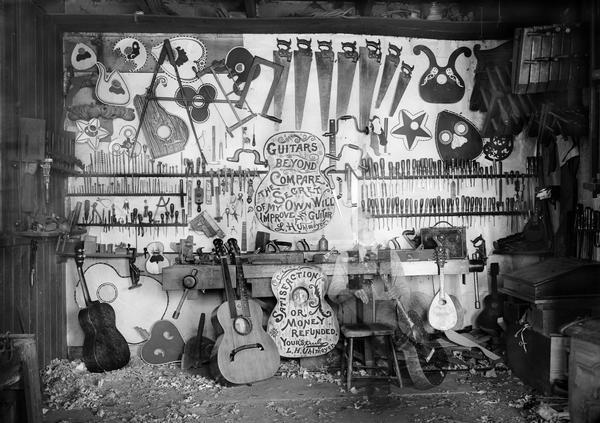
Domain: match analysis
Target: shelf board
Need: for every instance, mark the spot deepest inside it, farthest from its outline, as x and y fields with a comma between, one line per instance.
x=450, y=30
x=126, y=194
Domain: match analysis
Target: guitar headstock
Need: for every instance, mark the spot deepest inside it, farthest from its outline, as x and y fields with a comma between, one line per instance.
x=234, y=249
x=220, y=249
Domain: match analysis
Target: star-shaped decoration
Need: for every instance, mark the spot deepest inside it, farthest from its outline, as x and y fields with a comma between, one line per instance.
x=91, y=132
x=411, y=128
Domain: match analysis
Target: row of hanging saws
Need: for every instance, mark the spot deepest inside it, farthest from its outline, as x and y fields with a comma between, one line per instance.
x=366, y=58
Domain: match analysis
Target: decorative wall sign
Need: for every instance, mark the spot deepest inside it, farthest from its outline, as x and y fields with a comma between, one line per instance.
x=189, y=53
x=125, y=144
x=102, y=111
x=411, y=128
x=456, y=137
x=165, y=133
x=133, y=52
x=91, y=132
x=302, y=324
x=111, y=89
x=294, y=196
x=197, y=100
x=441, y=84
x=498, y=148
x=83, y=57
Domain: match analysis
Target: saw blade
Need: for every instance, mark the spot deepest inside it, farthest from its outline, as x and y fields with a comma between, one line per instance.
x=302, y=62
x=347, y=60
x=282, y=56
x=403, y=80
x=392, y=60
x=324, y=59
x=370, y=59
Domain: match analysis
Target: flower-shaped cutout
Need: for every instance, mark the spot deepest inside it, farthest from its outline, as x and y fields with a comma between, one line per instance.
x=197, y=101
x=91, y=132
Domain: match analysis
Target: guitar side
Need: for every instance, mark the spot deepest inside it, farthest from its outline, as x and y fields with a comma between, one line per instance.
x=240, y=358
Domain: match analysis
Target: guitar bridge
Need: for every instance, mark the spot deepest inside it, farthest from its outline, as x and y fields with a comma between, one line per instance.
x=244, y=347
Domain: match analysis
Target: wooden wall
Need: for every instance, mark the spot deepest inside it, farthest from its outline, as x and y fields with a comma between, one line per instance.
x=30, y=88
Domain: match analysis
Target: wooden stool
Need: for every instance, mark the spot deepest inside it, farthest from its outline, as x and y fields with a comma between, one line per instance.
x=365, y=331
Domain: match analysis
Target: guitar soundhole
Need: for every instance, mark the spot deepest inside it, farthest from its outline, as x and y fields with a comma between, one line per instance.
x=441, y=79
x=163, y=132
x=443, y=302
x=242, y=325
x=300, y=295
x=107, y=292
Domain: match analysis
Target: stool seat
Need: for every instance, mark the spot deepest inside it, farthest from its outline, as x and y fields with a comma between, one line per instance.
x=363, y=331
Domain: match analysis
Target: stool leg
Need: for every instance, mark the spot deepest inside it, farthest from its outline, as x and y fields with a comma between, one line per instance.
x=395, y=362
x=350, y=358
x=343, y=359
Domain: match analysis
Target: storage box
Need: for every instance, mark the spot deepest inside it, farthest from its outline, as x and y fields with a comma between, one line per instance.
x=584, y=371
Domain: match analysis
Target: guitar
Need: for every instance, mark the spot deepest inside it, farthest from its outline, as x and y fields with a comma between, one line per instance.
x=139, y=307
x=487, y=320
x=442, y=313
x=244, y=353
x=302, y=324
x=164, y=346
x=104, y=348
x=419, y=352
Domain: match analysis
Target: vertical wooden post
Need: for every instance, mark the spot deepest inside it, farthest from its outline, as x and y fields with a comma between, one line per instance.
x=25, y=348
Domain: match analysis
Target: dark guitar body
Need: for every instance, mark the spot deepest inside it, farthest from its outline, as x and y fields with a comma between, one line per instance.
x=240, y=359
x=104, y=347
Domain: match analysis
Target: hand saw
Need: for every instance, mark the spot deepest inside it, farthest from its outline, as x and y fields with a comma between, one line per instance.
x=347, y=59
x=282, y=56
x=370, y=59
x=302, y=61
x=403, y=80
x=324, y=59
x=392, y=60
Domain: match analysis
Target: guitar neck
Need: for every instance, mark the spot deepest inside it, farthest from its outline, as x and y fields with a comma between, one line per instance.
x=86, y=292
x=244, y=241
x=229, y=292
x=241, y=285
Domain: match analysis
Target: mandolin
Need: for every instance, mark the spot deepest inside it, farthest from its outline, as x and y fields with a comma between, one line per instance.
x=244, y=353
x=442, y=313
x=104, y=348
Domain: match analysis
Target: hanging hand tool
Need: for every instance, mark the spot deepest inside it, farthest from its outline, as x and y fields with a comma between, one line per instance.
x=392, y=60
x=347, y=60
x=403, y=80
x=198, y=195
x=302, y=61
x=282, y=56
x=369, y=63
x=324, y=59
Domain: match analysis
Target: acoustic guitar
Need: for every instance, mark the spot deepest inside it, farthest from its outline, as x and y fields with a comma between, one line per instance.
x=244, y=353
x=487, y=320
x=135, y=305
x=104, y=348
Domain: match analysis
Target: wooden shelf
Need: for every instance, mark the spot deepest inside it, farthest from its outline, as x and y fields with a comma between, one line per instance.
x=474, y=30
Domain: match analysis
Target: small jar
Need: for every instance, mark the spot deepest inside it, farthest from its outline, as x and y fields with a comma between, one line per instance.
x=323, y=244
